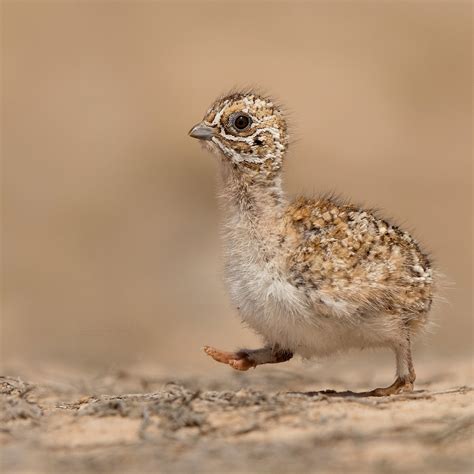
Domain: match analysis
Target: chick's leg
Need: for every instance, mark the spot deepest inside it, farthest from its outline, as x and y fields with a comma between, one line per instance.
x=244, y=359
x=405, y=371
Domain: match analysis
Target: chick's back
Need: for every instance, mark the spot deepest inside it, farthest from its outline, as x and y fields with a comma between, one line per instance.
x=350, y=255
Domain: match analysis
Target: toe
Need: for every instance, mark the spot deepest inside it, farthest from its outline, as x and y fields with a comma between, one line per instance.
x=399, y=386
x=240, y=364
x=219, y=356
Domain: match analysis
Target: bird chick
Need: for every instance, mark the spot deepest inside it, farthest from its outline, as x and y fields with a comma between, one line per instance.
x=311, y=276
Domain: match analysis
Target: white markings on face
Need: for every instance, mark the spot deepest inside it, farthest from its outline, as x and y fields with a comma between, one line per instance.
x=218, y=116
x=228, y=151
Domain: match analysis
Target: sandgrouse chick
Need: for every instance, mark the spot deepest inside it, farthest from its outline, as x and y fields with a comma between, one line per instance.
x=311, y=276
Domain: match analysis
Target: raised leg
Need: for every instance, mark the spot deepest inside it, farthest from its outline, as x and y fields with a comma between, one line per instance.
x=405, y=371
x=247, y=358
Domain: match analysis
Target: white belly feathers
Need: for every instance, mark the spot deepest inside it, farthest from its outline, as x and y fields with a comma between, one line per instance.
x=285, y=316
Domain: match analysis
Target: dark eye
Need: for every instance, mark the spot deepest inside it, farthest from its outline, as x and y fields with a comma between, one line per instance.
x=242, y=121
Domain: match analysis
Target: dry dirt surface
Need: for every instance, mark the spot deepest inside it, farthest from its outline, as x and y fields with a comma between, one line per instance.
x=272, y=420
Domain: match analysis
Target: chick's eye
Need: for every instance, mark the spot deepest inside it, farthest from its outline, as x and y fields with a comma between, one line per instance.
x=241, y=122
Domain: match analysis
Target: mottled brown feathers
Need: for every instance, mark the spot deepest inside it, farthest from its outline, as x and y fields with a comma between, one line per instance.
x=353, y=255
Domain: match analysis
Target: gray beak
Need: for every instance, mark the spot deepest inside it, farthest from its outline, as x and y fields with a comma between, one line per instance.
x=202, y=132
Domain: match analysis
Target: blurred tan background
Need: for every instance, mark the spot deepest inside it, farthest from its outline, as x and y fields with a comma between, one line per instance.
x=110, y=239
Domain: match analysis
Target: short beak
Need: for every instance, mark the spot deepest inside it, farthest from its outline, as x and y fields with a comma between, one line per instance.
x=202, y=132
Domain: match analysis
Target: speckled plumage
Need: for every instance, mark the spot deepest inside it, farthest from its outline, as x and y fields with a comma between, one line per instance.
x=311, y=276
x=357, y=258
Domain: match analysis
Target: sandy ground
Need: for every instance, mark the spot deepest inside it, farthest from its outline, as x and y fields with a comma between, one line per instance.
x=269, y=420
